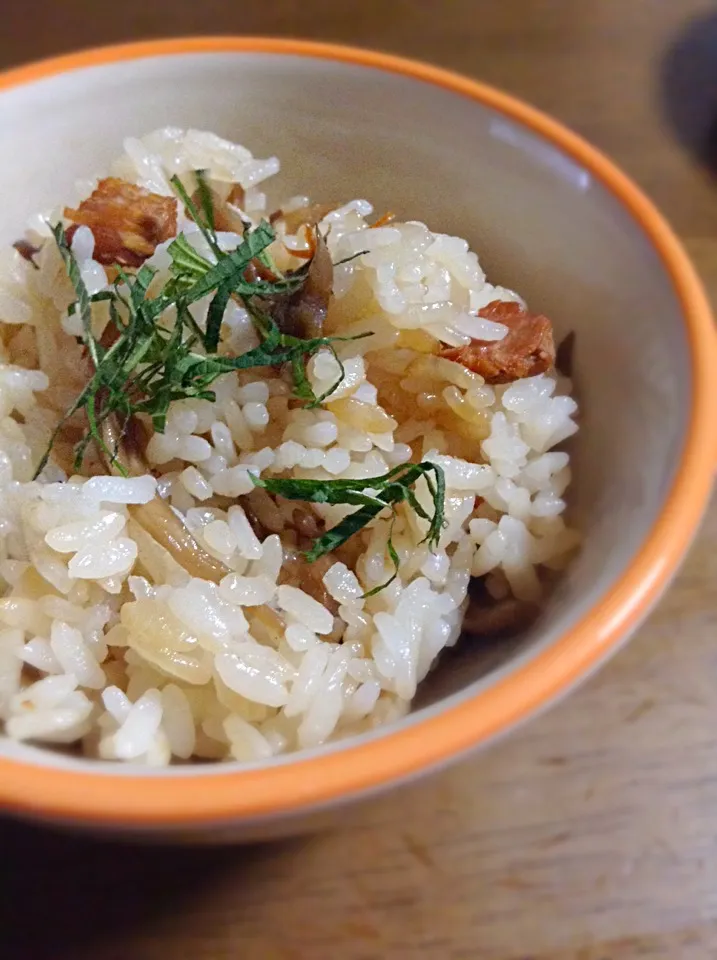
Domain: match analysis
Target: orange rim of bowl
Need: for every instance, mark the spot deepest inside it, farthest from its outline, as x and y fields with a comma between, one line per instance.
x=359, y=768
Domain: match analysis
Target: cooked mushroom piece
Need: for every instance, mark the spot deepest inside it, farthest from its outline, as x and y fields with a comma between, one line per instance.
x=157, y=517
x=303, y=314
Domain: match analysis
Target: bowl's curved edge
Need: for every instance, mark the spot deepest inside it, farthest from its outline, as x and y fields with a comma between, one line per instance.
x=357, y=769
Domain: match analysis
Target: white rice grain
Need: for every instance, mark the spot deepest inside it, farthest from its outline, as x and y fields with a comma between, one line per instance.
x=137, y=732
x=247, y=591
x=120, y=489
x=304, y=608
x=116, y=703
x=177, y=721
x=44, y=694
x=195, y=483
x=342, y=584
x=10, y=666
x=71, y=537
x=97, y=561
x=255, y=672
x=74, y=656
x=63, y=724
x=38, y=653
x=247, y=542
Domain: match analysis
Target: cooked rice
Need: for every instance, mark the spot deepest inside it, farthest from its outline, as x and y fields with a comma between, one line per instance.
x=109, y=644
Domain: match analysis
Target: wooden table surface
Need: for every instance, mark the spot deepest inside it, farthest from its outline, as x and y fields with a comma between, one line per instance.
x=591, y=834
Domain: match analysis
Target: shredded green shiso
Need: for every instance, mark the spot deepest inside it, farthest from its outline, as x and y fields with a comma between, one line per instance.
x=149, y=365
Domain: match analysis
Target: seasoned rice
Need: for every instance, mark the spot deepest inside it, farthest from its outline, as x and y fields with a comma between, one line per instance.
x=109, y=643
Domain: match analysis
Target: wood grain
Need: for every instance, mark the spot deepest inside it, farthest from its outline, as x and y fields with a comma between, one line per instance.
x=591, y=833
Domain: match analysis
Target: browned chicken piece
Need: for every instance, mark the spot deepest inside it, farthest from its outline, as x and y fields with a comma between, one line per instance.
x=127, y=221
x=525, y=351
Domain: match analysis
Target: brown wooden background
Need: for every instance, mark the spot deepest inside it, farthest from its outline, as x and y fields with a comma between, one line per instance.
x=591, y=833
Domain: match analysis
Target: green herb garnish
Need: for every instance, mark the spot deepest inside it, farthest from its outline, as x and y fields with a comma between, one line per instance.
x=157, y=358
x=372, y=496
x=396, y=566
x=158, y=353
x=205, y=197
x=205, y=221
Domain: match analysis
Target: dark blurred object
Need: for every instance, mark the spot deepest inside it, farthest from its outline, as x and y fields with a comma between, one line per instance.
x=70, y=898
x=688, y=88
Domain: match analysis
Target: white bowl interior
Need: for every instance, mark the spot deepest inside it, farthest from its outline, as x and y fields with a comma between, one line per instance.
x=540, y=223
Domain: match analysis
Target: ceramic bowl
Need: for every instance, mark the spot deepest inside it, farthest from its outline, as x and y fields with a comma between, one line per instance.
x=549, y=216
